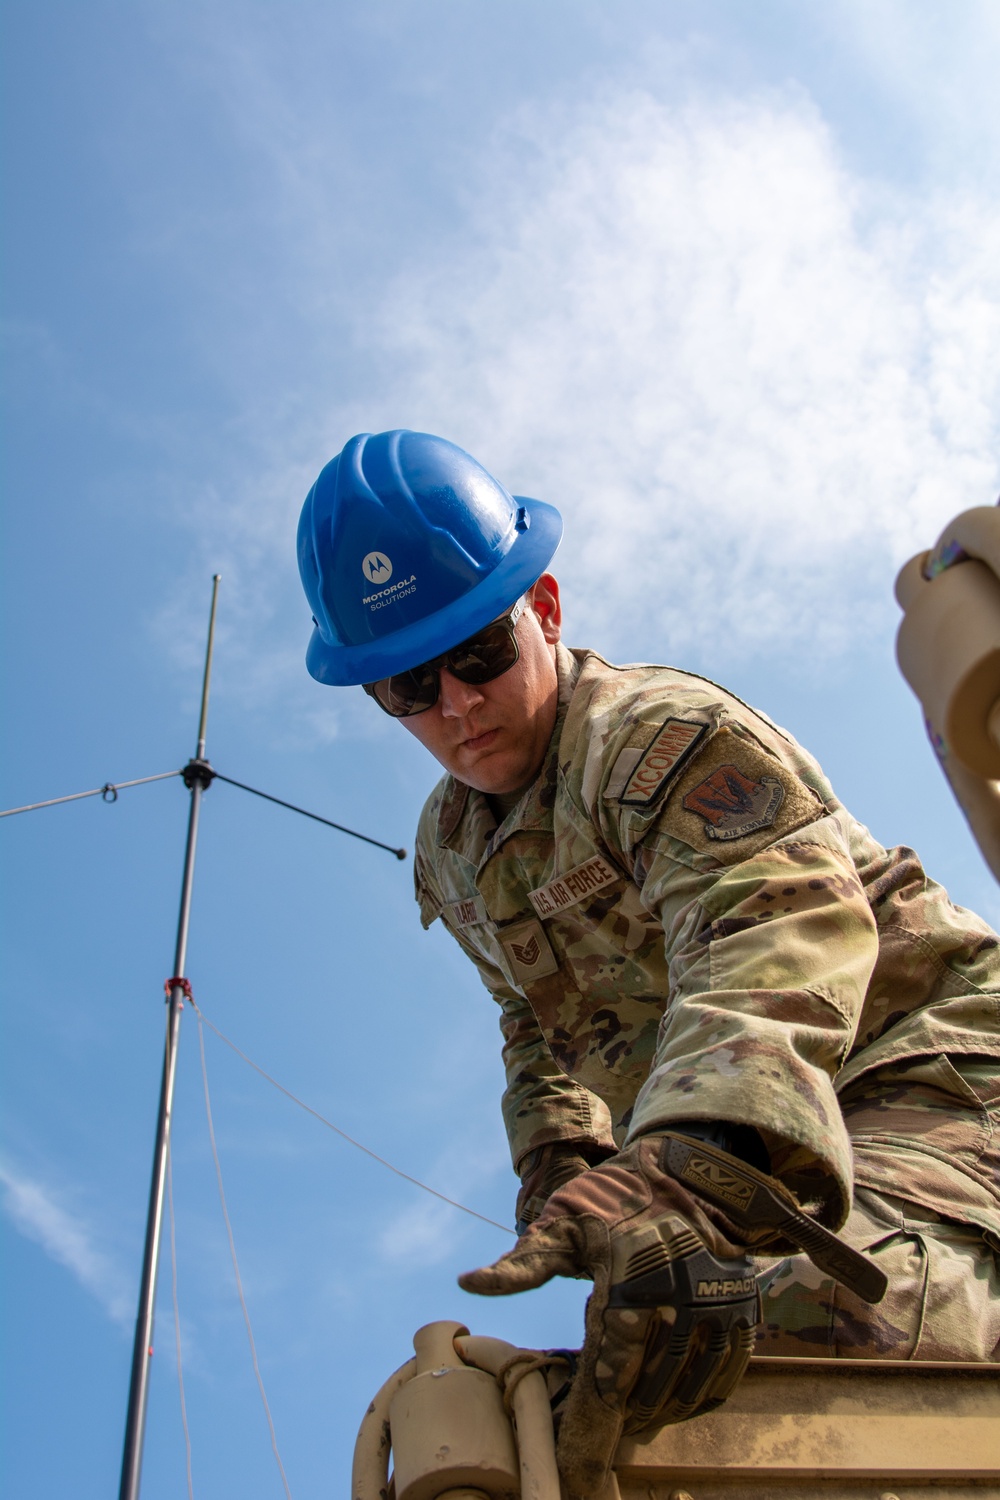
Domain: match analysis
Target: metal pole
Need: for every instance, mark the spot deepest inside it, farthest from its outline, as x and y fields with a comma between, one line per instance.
x=198, y=776
x=206, y=679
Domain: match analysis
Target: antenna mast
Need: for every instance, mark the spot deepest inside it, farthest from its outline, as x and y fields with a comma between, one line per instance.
x=198, y=776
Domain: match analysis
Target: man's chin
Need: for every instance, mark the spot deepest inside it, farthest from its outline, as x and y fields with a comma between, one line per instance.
x=484, y=784
x=491, y=780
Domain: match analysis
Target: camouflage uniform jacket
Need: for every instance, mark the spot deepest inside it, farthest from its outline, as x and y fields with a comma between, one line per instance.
x=679, y=920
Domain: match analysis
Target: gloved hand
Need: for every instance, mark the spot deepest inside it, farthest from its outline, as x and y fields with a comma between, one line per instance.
x=671, y=1320
x=547, y=1168
x=670, y=1324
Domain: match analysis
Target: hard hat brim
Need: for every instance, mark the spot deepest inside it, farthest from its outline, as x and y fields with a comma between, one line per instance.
x=529, y=555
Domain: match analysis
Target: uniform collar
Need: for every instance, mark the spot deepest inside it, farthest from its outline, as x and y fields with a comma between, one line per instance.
x=466, y=823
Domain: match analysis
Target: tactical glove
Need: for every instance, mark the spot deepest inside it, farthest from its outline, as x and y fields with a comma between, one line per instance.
x=661, y=1228
x=547, y=1168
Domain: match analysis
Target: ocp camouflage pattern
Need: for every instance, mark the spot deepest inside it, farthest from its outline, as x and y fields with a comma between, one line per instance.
x=743, y=950
x=942, y=1300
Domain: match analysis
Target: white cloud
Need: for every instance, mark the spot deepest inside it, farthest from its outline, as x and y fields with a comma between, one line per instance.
x=66, y=1238
x=938, y=65
x=422, y=1235
x=753, y=383
x=427, y=1230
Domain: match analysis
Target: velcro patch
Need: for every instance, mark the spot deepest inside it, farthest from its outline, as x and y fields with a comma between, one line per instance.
x=468, y=913
x=645, y=773
x=734, y=799
x=593, y=875
x=527, y=951
x=733, y=805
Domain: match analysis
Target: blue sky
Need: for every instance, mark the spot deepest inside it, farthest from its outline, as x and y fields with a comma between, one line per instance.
x=719, y=280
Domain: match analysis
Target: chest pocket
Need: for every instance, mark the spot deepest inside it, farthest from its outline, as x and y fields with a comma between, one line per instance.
x=603, y=991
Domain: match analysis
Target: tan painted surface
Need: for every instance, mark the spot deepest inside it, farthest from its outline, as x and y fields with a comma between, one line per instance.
x=852, y=1428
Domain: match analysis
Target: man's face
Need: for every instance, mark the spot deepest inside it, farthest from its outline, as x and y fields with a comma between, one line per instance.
x=494, y=737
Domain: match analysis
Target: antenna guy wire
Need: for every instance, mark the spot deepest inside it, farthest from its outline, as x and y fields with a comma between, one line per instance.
x=453, y=1202
x=177, y=1321
x=232, y=1252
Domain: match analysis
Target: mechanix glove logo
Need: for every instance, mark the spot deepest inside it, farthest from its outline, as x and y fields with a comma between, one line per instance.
x=712, y=1177
x=766, y=1212
x=697, y=1302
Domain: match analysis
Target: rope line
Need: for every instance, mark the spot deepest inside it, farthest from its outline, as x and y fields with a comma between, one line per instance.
x=177, y=1320
x=399, y=853
x=232, y=1252
x=114, y=787
x=343, y=1133
x=524, y=1362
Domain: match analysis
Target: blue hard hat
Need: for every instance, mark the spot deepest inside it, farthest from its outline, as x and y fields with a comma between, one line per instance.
x=407, y=546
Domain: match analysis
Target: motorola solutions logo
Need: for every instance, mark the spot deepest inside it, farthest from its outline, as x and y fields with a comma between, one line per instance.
x=377, y=568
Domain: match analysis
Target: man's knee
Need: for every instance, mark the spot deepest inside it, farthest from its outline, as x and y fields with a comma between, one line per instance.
x=943, y=1300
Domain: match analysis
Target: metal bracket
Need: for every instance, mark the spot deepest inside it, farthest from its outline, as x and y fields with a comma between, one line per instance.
x=198, y=772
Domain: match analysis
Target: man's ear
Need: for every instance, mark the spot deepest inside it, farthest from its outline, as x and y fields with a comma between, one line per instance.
x=545, y=603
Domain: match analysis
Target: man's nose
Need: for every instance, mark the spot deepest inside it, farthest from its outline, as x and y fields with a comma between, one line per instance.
x=457, y=699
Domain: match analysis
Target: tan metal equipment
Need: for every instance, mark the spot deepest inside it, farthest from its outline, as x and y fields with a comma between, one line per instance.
x=948, y=650
x=835, y=1429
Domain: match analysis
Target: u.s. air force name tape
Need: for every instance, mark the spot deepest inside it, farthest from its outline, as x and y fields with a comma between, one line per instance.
x=566, y=890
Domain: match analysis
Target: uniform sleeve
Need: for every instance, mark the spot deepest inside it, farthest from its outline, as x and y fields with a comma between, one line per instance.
x=769, y=960
x=540, y=1103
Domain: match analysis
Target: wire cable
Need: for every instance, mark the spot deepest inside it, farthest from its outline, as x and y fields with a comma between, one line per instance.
x=109, y=791
x=232, y=1252
x=399, y=853
x=114, y=787
x=343, y=1133
x=177, y=1320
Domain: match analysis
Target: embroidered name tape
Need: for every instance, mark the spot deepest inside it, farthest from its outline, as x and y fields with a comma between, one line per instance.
x=659, y=763
x=468, y=913
x=593, y=875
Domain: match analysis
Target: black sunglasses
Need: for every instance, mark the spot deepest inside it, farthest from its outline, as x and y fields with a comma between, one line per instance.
x=486, y=655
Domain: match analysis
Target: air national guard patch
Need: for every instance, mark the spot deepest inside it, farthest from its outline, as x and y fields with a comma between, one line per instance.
x=733, y=805
x=645, y=772
x=734, y=799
